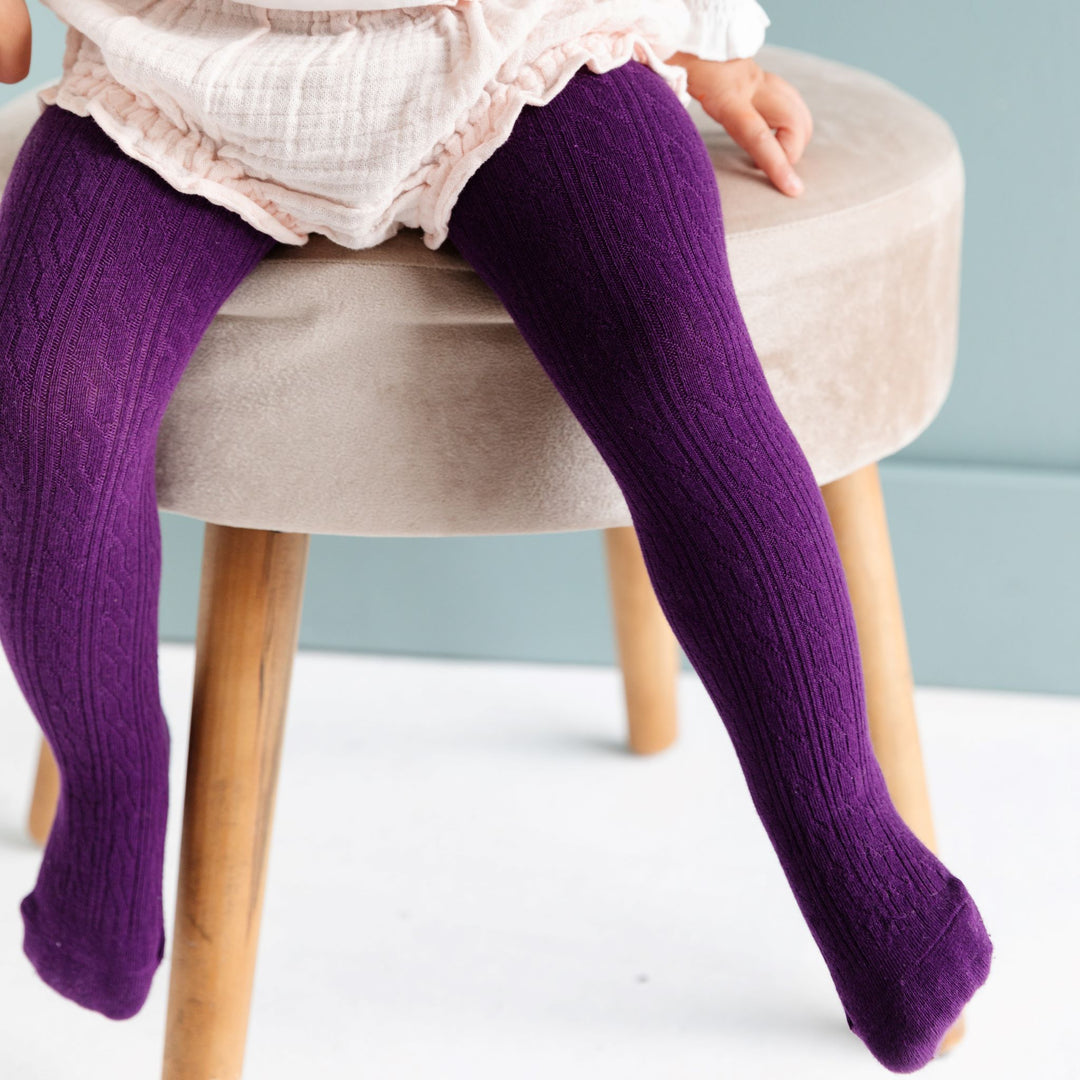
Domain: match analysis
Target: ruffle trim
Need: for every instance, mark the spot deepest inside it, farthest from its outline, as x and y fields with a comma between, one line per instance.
x=184, y=156
x=192, y=162
x=725, y=29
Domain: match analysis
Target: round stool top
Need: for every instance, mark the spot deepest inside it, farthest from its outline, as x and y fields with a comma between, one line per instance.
x=387, y=392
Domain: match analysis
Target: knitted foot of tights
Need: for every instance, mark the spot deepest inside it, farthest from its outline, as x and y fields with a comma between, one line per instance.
x=598, y=225
x=108, y=278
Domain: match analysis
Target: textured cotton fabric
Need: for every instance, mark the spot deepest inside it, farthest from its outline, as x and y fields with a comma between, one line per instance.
x=352, y=123
x=598, y=224
x=717, y=30
x=108, y=279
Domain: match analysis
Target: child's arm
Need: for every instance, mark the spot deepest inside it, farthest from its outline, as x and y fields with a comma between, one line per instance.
x=14, y=41
x=737, y=93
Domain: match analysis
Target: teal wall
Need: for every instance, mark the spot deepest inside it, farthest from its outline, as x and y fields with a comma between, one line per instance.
x=1005, y=77
x=984, y=506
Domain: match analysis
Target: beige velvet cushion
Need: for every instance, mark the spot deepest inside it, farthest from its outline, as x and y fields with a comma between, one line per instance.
x=387, y=391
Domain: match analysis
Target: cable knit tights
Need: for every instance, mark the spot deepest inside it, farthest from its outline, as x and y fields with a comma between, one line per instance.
x=108, y=278
x=598, y=225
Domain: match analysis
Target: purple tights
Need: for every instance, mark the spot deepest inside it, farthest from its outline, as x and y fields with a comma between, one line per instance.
x=109, y=278
x=598, y=225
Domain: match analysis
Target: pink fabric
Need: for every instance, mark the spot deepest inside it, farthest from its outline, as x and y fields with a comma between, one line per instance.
x=352, y=124
x=717, y=30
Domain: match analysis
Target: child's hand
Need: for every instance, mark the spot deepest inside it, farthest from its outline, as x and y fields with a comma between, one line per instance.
x=749, y=103
x=14, y=41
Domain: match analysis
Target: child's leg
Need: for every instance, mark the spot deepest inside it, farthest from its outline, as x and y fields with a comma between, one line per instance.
x=108, y=279
x=598, y=225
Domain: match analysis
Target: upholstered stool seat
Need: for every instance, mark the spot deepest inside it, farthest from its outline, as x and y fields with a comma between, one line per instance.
x=387, y=392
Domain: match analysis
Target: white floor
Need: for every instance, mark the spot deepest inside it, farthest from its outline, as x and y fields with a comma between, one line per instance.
x=471, y=878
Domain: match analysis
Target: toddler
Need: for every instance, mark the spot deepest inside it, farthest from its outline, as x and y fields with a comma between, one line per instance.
x=549, y=142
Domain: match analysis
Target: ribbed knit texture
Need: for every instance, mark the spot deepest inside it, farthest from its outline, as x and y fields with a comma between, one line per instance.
x=108, y=278
x=598, y=224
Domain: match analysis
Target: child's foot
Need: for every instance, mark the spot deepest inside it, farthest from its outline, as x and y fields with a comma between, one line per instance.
x=94, y=922
x=96, y=979
x=909, y=1013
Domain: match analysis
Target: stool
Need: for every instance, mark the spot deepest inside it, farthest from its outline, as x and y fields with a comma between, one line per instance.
x=386, y=392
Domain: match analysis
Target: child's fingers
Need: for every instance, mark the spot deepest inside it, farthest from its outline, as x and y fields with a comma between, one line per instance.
x=753, y=132
x=804, y=120
x=808, y=116
x=782, y=108
x=787, y=139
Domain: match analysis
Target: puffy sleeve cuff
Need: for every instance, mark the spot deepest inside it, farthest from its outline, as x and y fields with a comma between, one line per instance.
x=724, y=29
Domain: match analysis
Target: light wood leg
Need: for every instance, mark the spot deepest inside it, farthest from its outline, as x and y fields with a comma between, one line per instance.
x=856, y=508
x=647, y=647
x=46, y=794
x=248, y=627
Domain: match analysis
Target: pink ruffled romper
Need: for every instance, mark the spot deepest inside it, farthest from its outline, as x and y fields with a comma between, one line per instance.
x=353, y=122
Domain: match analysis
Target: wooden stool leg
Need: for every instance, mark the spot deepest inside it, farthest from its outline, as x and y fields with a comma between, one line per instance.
x=249, y=620
x=856, y=509
x=46, y=794
x=647, y=647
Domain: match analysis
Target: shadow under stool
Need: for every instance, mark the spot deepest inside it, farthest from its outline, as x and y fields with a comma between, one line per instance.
x=387, y=392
